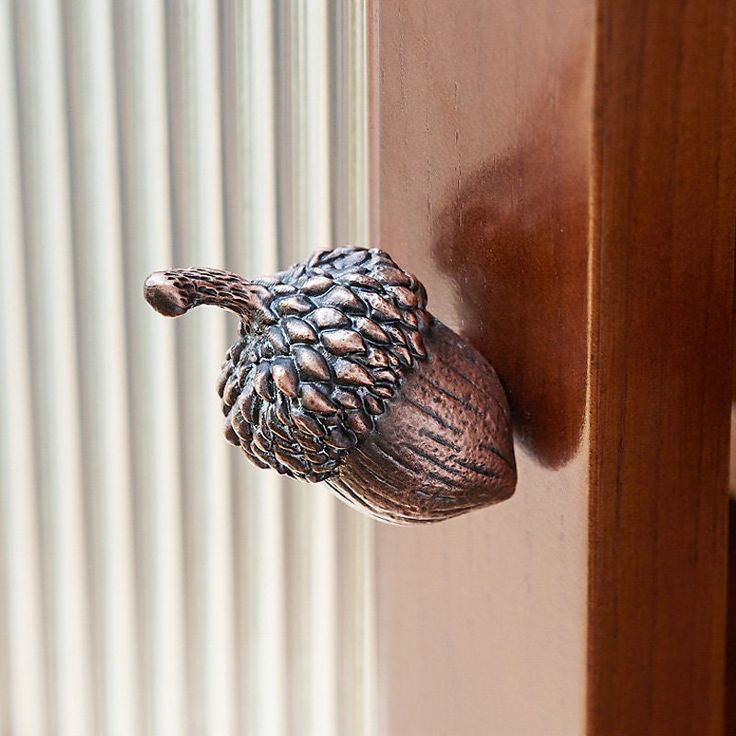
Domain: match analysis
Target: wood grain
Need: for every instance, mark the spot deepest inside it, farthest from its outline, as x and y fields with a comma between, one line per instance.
x=661, y=300
x=561, y=177
x=730, y=689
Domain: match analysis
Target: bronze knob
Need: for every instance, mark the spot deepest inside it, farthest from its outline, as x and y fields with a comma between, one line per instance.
x=340, y=374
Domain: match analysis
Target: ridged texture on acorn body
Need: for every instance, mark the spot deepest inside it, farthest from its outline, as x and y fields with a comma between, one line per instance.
x=444, y=446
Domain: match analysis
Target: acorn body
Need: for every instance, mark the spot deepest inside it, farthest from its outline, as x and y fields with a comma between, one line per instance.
x=342, y=375
x=443, y=448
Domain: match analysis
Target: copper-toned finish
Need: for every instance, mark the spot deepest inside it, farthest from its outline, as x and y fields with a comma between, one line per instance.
x=341, y=375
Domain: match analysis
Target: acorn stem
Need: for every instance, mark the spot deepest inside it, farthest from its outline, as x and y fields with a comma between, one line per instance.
x=174, y=292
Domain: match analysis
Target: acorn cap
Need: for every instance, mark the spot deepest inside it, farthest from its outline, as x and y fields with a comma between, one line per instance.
x=324, y=345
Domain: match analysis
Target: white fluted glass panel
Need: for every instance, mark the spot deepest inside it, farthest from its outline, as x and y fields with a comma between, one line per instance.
x=151, y=581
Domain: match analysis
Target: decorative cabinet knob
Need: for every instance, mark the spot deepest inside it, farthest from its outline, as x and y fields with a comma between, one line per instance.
x=340, y=374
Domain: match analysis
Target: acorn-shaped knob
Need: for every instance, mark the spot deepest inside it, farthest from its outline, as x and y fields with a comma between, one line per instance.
x=340, y=374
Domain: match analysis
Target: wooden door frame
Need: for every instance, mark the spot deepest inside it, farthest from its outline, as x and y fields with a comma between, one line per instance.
x=561, y=177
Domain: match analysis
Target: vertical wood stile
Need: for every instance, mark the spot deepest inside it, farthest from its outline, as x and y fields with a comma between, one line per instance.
x=480, y=165
x=664, y=199
x=249, y=161
x=98, y=274
x=194, y=125
x=22, y=683
x=140, y=53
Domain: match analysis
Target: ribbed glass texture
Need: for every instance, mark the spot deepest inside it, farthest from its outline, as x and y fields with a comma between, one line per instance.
x=152, y=583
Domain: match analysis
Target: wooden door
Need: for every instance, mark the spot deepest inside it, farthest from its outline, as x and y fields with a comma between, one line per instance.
x=561, y=177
